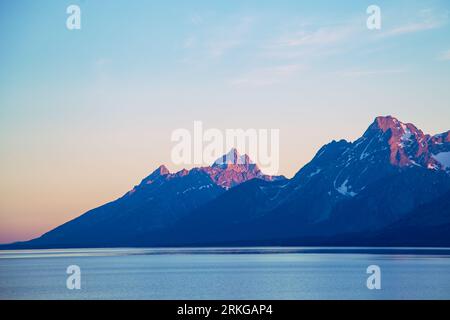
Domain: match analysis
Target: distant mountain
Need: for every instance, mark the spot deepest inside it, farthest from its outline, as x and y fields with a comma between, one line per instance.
x=158, y=201
x=388, y=184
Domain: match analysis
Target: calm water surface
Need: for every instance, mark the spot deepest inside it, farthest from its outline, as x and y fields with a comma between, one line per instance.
x=227, y=273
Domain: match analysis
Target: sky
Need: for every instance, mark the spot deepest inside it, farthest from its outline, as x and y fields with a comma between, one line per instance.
x=86, y=114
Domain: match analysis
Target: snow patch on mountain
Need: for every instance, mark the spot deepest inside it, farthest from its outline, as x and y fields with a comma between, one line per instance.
x=443, y=158
x=312, y=174
x=406, y=137
x=345, y=190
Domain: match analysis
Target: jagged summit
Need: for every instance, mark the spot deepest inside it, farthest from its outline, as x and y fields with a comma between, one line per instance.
x=233, y=169
x=386, y=122
x=398, y=128
x=228, y=171
x=405, y=141
x=159, y=173
x=232, y=157
x=162, y=170
x=441, y=138
x=407, y=145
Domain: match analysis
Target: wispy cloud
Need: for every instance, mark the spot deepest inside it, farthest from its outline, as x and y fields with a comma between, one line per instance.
x=267, y=76
x=366, y=73
x=321, y=37
x=428, y=19
x=412, y=27
x=214, y=39
x=310, y=42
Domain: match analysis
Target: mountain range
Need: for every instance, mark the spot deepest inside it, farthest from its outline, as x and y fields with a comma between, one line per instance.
x=391, y=187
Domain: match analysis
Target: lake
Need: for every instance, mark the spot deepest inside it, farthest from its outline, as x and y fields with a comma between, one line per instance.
x=226, y=273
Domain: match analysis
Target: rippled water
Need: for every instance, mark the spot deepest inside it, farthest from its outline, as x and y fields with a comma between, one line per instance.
x=226, y=273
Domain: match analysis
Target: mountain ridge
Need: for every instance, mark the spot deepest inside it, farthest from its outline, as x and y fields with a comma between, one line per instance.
x=347, y=188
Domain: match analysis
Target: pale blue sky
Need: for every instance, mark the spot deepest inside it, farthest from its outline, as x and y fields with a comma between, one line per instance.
x=85, y=114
